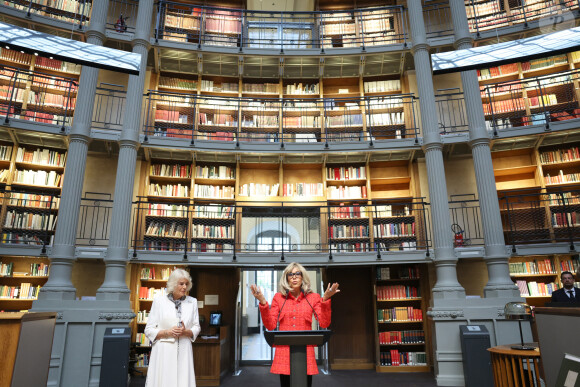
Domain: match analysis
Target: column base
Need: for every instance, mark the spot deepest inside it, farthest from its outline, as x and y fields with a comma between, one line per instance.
x=78, y=338
x=446, y=320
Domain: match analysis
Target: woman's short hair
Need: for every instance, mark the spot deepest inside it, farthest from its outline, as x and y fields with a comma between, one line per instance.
x=174, y=278
x=283, y=285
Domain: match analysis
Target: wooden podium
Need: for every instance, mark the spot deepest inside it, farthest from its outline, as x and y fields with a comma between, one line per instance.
x=297, y=340
x=27, y=342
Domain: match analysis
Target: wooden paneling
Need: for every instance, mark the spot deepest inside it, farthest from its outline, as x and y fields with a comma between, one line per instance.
x=352, y=343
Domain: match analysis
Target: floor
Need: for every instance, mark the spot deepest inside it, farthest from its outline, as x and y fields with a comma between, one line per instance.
x=260, y=376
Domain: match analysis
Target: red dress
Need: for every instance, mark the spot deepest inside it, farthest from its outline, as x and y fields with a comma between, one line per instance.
x=296, y=316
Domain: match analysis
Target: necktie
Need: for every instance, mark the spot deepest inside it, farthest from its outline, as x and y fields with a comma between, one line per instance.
x=571, y=293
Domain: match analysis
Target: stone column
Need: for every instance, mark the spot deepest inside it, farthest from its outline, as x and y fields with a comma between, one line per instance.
x=114, y=287
x=59, y=285
x=496, y=253
x=447, y=287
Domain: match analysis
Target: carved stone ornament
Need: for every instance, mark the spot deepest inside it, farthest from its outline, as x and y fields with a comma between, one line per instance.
x=59, y=315
x=116, y=316
x=446, y=313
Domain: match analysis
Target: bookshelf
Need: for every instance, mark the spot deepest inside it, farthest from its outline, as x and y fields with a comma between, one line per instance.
x=71, y=11
x=168, y=189
x=213, y=221
x=538, y=276
x=347, y=195
x=401, y=338
x=20, y=281
x=31, y=206
x=149, y=281
x=517, y=101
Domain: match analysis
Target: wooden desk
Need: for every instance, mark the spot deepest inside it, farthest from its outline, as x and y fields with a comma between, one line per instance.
x=508, y=366
x=211, y=358
x=26, y=339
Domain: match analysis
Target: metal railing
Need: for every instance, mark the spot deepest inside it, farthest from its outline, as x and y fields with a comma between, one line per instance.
x=437, y=17
x=546, y=216
x=35, y=96
x=109, y=110
x=195, y=117
x=122, y=15
x=94, y=220
x=204, y=226
x=494, y=14
x=227, y=27
x=466, y=220
x=532, y=101
x=451, y=111
x=72, y=11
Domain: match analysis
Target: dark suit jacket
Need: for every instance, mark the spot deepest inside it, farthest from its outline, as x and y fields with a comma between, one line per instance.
x=560, y=295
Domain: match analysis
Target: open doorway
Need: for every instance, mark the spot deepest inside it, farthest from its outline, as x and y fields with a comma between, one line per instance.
x=254, y=349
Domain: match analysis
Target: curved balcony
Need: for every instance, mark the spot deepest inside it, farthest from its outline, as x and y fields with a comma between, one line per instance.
x=282, y=121
x=346, y=31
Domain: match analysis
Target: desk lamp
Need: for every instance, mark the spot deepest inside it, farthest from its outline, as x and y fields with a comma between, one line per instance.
x=522, y=312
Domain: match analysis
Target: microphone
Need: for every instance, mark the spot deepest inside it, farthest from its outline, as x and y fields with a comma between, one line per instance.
x=279, y=312
x=311, y=307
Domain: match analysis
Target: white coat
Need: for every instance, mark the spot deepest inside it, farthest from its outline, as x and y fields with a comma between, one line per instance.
x=171, y=363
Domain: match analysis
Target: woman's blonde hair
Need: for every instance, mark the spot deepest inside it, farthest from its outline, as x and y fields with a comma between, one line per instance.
x=283, y=285
x=174, y=278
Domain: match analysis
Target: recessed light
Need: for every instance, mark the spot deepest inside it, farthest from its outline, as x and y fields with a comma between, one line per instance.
x=36, y=54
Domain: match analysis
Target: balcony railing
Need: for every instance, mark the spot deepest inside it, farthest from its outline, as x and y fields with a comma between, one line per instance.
x=494, y=14
x=94, y=220
x=532, y=101
x=122, y=15
x=547, y=216
x=35, y=96
x=280, y=120
x=451, y=111
x=109, y=110
x=466, y=220
x=71, y=11
x=254, y=227
x=203, y=25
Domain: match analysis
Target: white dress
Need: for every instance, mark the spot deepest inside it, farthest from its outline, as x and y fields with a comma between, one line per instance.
x=171, y=363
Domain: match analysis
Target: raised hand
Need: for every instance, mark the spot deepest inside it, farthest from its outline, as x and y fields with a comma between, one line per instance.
x=257, y=293
x=330, y=291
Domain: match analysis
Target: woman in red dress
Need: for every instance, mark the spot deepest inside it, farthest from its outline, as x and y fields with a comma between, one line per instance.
x=292, y=308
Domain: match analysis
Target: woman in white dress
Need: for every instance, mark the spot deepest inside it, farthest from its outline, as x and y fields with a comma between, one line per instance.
x=172, y=327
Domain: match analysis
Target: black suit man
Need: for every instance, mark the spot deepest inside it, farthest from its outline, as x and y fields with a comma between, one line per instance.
x=568, y=293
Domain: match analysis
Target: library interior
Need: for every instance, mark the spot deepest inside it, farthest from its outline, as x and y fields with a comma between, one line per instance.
x=260, y=133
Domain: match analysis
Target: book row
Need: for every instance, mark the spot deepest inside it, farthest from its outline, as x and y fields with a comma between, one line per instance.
x=567, y=219
x=402, y=337
x=30, y=221
x=303, y=189
x=213, y=191
x=41, y=156
x=345, y=192
x=536, y=289
x=26, y=291
x=403, y=272
x=150, y=273
x=204, y=231
x=146, y=293
x=346, y=173
x=562, y=178
x=544, y=266
x=177, y=190
x=343, y=231
x=396, y=358
x=173, y=170
x=557, y=156
x=388, y=230
x=142, y=340
x=255, y=189
x=18, y=199
x=348, y=212
x=397, y=292
x=19, y=238
x=142, y=316
x=44, y=178
x=5, y=152
x=399, y=314
x=212, y=247
x=171, y=230
x=215, y=171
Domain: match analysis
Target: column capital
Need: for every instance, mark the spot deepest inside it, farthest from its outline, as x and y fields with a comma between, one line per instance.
x=420, y=47
x=79, y=137
x=432, y=146
x=129, y=143
x=141, y=42
x=479, y=141
x=463, y=42
x=97, y=34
